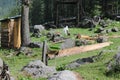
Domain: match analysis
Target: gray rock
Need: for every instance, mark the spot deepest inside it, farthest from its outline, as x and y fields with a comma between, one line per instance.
x=11, y=78
x=114, y=64
x=37, y=35
x=25, y=51
x=36, y=45
x=40, y=28
x=68, y=43
x=81, y=42
x=49, y=35
x=102, y=39
x=38, y=69
x=109, y=30
x=79, y=62
x=72, y=65
x=1, y=65
x=99, y=30
x=63, y=75
x=104, y=32
x=115, y=29
x=103, y=23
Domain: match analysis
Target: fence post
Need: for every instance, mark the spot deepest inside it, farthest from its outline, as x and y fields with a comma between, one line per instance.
x=44, y=53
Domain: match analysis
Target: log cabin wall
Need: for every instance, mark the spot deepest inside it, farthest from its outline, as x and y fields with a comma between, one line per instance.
x=66, y=2
x=11, y=32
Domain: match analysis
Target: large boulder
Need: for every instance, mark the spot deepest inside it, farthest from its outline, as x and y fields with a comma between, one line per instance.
x=68, y=43
x=38, y=31
x=81, y=61
x=65, y=75
x=40, y=28
x=114, y=64
x=25, y=50
x=36, y=45
x=115, y=29
x=38, y=69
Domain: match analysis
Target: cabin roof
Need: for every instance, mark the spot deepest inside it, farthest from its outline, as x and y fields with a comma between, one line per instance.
x=14, y=17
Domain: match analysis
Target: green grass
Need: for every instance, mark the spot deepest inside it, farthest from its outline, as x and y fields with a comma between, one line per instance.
x=92, y=71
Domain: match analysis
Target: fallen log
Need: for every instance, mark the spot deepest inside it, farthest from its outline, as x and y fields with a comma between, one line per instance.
x=114, y=36
x=77, y=50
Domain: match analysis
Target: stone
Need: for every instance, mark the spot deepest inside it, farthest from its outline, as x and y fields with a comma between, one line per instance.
x=36, y=45
x=99, y=30
x=63, y=75
x=103, y=32
x=82, y=61
x=38, y=69
x=26, y=51
x=102, y=39
x=68, y=43
x=80, y=42
x=37, y=35
x=55, y=37
x=103, y=23
x=49, y=35
x=109, y=30
x=79, y=62
x=11, y=78
x=115, y=29
x=39, y=28
x=1, y=65
x=114, y=64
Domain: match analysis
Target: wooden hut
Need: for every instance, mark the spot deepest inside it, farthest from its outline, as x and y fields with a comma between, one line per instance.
x=58, y=5
x=11, y=32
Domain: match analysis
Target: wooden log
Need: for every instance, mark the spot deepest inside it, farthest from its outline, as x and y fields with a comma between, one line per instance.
x=85, y=37
x=77, y=50
x=114, y=36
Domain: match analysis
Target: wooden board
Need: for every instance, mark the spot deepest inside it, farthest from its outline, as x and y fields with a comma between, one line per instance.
x=81, y=49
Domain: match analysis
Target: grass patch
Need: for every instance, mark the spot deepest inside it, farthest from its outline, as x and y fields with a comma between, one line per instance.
x=93, y=71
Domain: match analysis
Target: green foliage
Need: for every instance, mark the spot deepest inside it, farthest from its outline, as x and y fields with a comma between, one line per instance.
x=61, y=67
x=9, y=8
x=37, y=12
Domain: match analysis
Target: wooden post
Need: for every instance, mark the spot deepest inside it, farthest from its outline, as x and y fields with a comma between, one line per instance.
x=44, y=53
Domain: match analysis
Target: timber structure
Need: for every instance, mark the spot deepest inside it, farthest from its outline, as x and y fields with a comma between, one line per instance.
x=66, y=2
x=11, y=32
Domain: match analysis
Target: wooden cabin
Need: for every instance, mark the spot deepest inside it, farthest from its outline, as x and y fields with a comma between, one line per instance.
x=58, y=5
x=11, y=32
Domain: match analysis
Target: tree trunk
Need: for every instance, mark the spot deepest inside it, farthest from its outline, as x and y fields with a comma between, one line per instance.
x=25, y=32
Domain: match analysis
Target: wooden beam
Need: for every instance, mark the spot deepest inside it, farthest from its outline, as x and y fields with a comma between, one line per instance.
x=78, y=50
